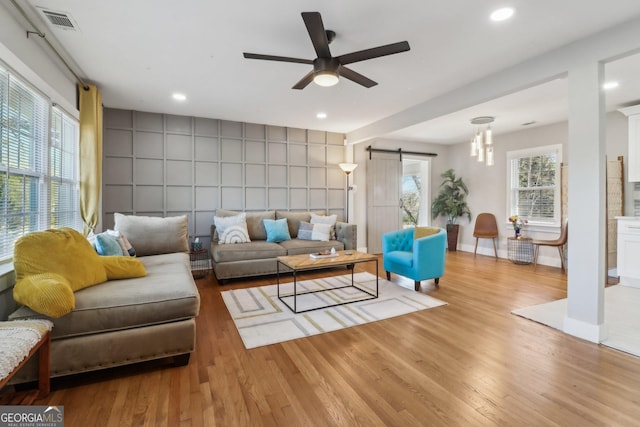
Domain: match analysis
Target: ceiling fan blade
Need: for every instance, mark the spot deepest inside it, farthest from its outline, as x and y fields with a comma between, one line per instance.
x=277, y=58
x=318, y=35
x=374, y=52
x=304, y=81
x=348, y=73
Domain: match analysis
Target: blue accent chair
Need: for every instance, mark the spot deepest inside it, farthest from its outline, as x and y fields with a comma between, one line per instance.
x=419, y=259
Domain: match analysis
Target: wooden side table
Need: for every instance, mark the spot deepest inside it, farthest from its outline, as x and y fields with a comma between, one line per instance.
x=23, y=339
x=520, y=250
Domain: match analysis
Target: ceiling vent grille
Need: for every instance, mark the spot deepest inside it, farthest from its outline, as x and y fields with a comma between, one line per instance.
x=59, y=19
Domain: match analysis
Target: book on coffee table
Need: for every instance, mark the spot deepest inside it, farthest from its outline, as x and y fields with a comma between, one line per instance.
x=323, y=254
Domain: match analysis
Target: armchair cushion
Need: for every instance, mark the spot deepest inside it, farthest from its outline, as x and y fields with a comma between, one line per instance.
x=424, y=231
x=400, y=257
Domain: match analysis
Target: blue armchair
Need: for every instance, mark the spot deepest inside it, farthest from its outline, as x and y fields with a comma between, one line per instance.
x=418, y=259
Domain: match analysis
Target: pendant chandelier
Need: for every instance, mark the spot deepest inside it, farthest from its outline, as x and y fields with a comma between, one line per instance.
x=482, y=140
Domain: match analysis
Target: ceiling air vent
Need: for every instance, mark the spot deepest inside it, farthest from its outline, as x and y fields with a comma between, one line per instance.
x=59, y=19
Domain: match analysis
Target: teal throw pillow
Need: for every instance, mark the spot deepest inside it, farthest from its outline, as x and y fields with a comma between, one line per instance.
x=277, y=230
x=108, y=245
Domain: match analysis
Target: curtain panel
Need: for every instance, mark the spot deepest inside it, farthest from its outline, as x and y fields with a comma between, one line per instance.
x=90, y=155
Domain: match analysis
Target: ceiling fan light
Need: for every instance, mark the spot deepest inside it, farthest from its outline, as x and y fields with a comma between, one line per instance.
x=325, y=78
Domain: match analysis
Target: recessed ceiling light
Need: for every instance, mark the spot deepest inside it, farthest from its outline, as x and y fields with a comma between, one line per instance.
x=610, y=85
x=179, y=96
x=321, y=115
x=502, y=14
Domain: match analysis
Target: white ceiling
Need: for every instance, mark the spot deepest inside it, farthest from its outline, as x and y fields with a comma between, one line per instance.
x=139, y=52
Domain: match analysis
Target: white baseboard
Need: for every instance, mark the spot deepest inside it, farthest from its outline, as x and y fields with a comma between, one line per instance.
x=584, y=330
x=502, y=253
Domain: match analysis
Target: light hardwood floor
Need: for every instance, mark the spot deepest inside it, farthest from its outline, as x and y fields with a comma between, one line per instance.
x=469, y=363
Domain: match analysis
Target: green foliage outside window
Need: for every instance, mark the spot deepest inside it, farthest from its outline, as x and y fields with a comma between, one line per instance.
x=411, y=186
x=536, y=184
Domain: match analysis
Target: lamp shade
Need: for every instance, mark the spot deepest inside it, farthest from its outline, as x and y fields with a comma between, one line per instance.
x=348, y=167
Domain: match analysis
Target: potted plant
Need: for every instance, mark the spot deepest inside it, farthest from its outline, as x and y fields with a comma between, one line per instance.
x=451, y=203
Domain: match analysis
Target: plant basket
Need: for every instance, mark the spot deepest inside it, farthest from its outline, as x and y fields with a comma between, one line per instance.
x=452, y=236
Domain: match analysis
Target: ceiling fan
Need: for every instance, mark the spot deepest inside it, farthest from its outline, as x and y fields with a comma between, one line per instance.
x=327, y=68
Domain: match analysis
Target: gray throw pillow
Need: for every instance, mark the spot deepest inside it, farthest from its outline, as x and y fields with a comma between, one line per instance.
x=151, y=235
x=305, y=231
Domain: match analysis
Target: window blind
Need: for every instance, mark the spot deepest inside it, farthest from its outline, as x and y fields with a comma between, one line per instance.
x=38, y=163
x=534, y=184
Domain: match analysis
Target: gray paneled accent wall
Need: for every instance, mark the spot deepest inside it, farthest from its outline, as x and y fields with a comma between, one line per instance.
x=165, y=165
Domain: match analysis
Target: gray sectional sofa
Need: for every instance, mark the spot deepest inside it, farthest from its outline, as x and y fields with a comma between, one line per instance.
x=120, y=322
x=258, y=257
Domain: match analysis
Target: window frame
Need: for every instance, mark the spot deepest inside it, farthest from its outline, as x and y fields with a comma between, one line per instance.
x=511, y=200
x=40, y=145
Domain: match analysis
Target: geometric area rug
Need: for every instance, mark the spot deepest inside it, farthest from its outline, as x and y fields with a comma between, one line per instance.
x=262, y=319
x=621, y=317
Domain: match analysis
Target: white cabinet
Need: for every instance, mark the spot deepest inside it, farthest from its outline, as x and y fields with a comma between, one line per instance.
x=633, y=162
x=629, y=251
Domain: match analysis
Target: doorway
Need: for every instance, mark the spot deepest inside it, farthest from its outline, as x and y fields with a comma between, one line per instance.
x=415, y=193
x=397, y=197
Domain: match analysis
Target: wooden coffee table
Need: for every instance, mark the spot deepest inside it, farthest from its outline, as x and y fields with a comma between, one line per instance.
x=297, y=263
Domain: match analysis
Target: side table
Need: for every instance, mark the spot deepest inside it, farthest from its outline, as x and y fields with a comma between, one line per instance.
x=200, y=263
x=520, y=250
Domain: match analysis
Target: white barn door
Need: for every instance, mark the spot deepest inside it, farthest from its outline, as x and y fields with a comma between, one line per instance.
x=384, y=179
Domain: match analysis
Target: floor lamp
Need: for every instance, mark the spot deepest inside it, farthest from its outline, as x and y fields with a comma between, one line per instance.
x=348, y=168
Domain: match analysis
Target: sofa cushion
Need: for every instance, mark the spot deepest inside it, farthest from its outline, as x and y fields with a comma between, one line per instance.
x=151, y=235
x=293, y=220
x=246, y=251
x=299, y=246
x=167, y=294
x=254, y=222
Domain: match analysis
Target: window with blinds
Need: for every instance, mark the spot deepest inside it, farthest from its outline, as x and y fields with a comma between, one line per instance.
x=38, y=163
x=534, y=184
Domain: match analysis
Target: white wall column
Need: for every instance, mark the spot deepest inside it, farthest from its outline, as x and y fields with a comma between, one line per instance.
x=587, y=215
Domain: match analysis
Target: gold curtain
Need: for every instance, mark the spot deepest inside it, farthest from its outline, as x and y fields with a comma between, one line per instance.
x=90, y=155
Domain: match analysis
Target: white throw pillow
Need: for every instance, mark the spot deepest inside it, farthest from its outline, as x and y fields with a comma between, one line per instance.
x=321, y=232
x=232, y=229
x=329, y=219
